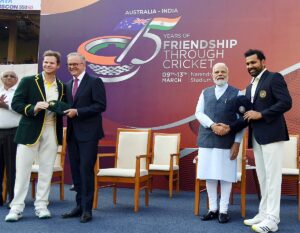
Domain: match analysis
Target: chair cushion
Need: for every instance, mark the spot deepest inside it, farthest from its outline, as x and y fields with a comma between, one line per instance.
x=120, y=172
x=162, y=167
x=290, y=171
x=35, y=168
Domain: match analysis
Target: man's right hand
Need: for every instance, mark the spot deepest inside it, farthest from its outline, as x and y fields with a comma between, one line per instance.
x=220, y=129
x=40, y=106
x=3, y=102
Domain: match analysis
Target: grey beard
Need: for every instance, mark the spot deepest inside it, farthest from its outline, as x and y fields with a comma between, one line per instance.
x=220, y=83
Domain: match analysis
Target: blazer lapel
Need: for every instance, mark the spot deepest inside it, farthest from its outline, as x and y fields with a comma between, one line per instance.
x=40, y=84
x=81, y=86
x=248, y=91
x=60, y=87
x=261, y=81
x=69, y=86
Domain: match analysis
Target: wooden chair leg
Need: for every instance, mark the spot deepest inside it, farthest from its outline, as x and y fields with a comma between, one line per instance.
x=243, y=198
x=62, y=188
x=115, y=194
x=96, y=190
x=197, y=197
x=150, y=183
x=33, y=188
x=136, y=195
x=299, y=201
x=177, y=181
x=231, y=197
x=147, y=193
x=4, y=185
x=171, y=184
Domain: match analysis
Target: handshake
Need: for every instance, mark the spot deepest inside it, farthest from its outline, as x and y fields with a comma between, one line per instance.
x=220, y=129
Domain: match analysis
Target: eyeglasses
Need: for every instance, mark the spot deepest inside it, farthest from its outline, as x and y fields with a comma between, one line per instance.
x=9, y=76
x=73, y=64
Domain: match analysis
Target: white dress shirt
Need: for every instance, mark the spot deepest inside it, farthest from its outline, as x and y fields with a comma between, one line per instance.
x=80, y=77
x=254, y=82
x=8, y=118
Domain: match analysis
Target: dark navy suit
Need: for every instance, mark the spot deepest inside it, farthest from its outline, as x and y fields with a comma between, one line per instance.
x=83, y=134
x=272, y=99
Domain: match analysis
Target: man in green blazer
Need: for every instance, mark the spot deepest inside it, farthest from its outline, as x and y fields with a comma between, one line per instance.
x=38, y=135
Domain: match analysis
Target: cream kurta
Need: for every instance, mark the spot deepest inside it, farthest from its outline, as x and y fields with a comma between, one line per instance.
x=214, y=163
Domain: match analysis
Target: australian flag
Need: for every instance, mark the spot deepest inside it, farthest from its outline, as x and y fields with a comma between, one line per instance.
x=131, y=23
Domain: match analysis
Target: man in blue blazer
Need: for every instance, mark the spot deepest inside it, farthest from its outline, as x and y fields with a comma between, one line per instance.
x=267, y=132
x=87, y=98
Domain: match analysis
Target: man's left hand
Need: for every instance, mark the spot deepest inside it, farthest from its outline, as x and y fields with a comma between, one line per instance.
x=71, y=113
x=252, y=115
x=234, y=150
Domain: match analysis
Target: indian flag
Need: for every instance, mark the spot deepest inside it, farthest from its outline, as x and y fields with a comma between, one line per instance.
x=163, y=23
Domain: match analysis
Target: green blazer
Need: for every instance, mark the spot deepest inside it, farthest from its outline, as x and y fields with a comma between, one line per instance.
x=28, y=93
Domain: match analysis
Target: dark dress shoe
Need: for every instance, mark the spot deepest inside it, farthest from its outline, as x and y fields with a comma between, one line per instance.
x=223, y=218
x=86, y=217
x=210, y=216
x=76, y=212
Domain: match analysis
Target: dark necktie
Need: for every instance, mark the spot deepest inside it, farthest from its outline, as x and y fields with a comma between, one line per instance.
x=75, y=87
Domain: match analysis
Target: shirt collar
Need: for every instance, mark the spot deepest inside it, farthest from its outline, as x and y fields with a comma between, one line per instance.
x=53, y=84
x=221, y=88
x=13, y=88
x=258, y=76
x=80, y=77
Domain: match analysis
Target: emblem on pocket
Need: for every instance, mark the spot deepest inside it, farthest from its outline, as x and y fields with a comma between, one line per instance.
x=262, y=94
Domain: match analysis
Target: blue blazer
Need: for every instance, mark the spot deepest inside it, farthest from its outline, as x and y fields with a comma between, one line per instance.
x=90, y=102
x=272, y=99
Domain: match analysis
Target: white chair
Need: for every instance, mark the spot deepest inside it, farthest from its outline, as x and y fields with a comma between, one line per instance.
x=291, y=164
x=58, y=170
x=165, y=159
x=131, y=164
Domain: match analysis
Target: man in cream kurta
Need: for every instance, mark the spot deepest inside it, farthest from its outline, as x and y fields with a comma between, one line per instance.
x=218, y=146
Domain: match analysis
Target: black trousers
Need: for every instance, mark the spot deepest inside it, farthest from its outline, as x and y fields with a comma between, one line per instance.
x=8, y=151
x=82, y=156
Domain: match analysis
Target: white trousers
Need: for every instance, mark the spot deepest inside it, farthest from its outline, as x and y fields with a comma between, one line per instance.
x=268, y=161
x=212, y=191
x=45, y=151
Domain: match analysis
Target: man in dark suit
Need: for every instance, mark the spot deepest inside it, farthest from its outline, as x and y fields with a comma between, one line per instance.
x=38, y=135
x=87, y=98
x=267, y=132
